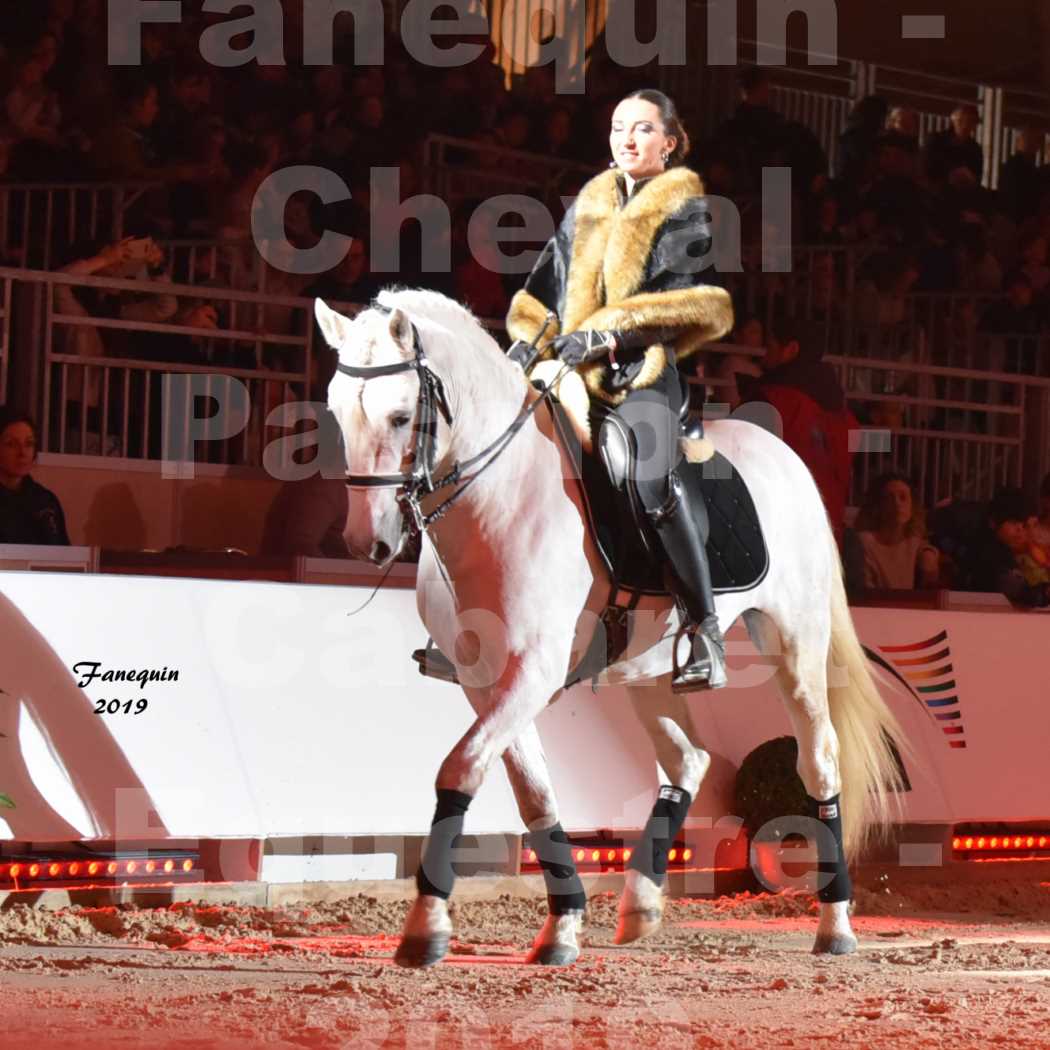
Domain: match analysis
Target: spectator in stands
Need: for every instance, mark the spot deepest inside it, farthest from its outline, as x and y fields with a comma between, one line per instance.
x=859, y=141
x=125, y=150
x=806, y=393
x=902, y=127
x=882, y=298
x=1014, y=318
x=1041, y=526
x=1004, y=561
x=753, y=137
x=955, y=147
x=308, y=516
x=29, y=513
x=34, y=120
x=477, y=278
x=978, y=269
x=887, y=547
x=1022, y=182
x=1033, y=261
x=731, y=369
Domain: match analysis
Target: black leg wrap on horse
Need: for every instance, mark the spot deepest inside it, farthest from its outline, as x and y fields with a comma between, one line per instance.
x=834, y=882
x=564, y=887
x=436, y=874
x=666, y=820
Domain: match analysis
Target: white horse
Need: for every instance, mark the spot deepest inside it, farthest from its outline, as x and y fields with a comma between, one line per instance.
x=510, y=585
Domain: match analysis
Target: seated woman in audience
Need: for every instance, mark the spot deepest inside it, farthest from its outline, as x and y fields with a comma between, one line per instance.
x=29, y=513
x=887, y=546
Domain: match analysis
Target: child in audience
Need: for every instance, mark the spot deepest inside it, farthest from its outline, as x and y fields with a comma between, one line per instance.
x=1006, y=561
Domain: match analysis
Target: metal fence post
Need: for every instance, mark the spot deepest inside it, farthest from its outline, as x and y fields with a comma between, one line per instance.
x=991, y=132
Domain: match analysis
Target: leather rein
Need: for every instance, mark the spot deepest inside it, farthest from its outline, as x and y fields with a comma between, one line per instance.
x=419, y=482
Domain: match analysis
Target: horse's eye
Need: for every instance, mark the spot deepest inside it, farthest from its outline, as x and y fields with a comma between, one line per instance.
x=400, y=420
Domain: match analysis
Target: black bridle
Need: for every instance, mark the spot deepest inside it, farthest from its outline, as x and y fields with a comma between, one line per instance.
x=418, y=483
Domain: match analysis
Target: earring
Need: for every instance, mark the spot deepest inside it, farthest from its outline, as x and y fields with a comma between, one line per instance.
x=665, y=156
x=612, y=164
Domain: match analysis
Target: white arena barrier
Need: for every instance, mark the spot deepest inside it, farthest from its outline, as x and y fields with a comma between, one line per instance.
x=272, y=712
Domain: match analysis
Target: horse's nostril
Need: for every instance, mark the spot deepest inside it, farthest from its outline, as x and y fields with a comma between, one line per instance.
x=380, y=551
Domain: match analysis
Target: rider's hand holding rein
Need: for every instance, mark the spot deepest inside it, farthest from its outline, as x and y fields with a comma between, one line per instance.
x=575, y=348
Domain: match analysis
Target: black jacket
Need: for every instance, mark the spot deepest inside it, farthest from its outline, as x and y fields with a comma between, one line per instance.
x=31, y=514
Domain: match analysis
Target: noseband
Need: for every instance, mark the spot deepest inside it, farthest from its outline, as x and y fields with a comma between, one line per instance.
x=414, y=486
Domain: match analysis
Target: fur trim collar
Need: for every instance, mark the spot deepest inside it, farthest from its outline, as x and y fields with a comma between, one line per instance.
x=611, y=245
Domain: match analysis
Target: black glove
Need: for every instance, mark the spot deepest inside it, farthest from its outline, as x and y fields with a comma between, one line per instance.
x=578, y=347
x=522, y=353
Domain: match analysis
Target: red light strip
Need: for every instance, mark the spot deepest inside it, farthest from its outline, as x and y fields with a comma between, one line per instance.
x=989, y=843
x=44, y=870
x=588, y=856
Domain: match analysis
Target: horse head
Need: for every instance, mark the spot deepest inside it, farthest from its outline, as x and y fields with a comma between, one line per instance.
x=375, y=416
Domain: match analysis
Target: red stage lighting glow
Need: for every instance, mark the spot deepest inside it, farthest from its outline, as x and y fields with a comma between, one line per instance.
x=595, y=854
x=111, y=868
x=995, y=843
x=16, y=870
x=151, y=867
x=169, y=865
x=980, y=843
x=54, y=869
x=626, y=854
x=968, y=843
x=611, y=855
x=673, y=855
x=93, y=867
x=131, y=867
x=187, y=865
x=687, y=854
x=34, y=870
x=579, y=855
x=74, y=869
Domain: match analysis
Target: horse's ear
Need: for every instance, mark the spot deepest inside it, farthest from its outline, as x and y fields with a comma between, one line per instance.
x=400, y=329
x=335, y=327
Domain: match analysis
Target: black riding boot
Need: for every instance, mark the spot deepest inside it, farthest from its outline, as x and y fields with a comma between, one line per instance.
x=680, y=534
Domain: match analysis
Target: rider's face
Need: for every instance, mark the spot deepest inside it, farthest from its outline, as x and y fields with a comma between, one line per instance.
x=637, y=138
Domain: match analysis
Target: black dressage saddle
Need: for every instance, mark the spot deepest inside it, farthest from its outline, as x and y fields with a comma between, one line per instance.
x=715, y=492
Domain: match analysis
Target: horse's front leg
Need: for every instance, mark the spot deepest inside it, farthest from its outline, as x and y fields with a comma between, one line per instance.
x=505, y=712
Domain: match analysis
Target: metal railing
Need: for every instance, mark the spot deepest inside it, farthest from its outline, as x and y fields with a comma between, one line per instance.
x=39, y=222
x=821, y=97
x=960, y=431
x=222, y=263
x=108, y=402
x=459, y=169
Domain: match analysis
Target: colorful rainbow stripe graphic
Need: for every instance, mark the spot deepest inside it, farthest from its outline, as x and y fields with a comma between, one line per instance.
x=925, y=670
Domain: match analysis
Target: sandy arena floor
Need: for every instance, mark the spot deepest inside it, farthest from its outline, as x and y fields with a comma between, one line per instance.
x=736, y=972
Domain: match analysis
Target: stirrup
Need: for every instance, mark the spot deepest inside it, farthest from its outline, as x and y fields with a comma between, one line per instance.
x=707, y=671
x=433, y=663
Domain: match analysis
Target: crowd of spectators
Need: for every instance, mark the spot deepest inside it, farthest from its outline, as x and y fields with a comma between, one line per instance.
x=915, y=214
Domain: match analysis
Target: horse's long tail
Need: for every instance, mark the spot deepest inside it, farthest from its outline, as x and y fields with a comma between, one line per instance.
x=867, y=732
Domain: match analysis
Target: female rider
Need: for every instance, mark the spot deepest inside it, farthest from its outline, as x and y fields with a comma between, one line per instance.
x=624, y=276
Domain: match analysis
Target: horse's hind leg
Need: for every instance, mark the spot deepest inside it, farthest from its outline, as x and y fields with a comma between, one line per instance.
x=801, y=671
x=684, y=763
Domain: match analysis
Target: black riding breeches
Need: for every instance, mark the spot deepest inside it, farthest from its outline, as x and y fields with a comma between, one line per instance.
x=652, y=415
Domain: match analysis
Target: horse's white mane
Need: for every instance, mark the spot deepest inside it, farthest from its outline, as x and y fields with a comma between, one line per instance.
x=421, y=304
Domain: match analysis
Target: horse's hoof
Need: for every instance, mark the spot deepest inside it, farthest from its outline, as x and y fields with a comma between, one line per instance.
x=634, y=925
x=418, y=952
x=553, y=955
x=835, y=944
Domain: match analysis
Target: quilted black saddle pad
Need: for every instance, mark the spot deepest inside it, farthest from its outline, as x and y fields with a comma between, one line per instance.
x=736, y=548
